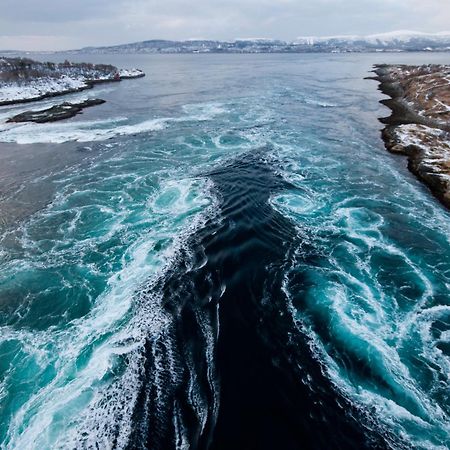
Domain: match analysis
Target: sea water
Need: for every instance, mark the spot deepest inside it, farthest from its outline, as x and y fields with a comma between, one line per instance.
x=223, y=242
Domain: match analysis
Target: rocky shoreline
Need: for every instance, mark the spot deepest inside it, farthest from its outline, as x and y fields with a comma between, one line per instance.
x=65, y=110
x=24, y=80
x=89, y=84
x=128, y=74
x=419, y=126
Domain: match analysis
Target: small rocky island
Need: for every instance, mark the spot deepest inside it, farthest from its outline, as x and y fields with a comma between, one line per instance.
x=58, y=112
x=419, y=126
x=24, y=80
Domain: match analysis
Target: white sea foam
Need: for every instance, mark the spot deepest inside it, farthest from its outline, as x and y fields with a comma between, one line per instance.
x=363, y=314
x=368, y=313
x=111, y=329
x=59, y=133
x=321, y=103
x=92, y=406
x=32, y=133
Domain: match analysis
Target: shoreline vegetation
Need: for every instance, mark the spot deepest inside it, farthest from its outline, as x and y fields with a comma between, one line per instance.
x=419, y=126
x=24, y=80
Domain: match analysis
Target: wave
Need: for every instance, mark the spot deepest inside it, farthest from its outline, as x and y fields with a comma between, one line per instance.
x=374, y=308
x=81, y=361
x=97, y=255
x=309, y=276
x=102, y=130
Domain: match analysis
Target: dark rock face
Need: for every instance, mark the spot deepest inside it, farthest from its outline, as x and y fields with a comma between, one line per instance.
x=129, y=77
x=58, y=112
x=419, y=126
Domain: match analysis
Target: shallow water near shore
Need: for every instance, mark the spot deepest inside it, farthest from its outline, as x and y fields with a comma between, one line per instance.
x=222, y=256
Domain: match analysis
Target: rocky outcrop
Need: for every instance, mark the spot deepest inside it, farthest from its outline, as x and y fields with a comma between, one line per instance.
x=126, y=74
x=55, y=113
x=24, y=80
x=419, y=126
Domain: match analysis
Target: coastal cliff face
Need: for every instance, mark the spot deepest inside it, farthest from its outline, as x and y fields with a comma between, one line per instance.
x=419, y=126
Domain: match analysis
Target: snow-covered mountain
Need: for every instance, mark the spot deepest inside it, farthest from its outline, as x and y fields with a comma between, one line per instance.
x=394, y=41
x=388, y=42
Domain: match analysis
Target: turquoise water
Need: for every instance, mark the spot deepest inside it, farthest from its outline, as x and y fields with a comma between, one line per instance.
x=97, y=211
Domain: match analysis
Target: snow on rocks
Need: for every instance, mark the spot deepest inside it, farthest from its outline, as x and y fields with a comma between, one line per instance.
x=24, y=80
x=419, y=126
x=39, y=88
x=131, y=73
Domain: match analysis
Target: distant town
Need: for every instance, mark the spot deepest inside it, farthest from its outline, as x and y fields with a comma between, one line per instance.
x=387, y=42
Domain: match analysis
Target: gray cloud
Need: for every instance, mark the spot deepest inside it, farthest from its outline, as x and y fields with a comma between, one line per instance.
x=53, y=24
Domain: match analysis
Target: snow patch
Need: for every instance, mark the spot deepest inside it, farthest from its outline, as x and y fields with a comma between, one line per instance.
x=131, y=73
x=39, y=88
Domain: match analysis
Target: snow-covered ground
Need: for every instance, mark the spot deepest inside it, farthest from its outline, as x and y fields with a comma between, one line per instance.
x=434, y=145
x=39, y=88
x=425, y=90
x=23, y=80
x=377, y=39
x=415, y=134
x=131, y=73
x=36, y=89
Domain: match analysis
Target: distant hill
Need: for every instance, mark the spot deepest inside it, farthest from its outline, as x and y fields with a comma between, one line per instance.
x=394, y=41
x=399, y=41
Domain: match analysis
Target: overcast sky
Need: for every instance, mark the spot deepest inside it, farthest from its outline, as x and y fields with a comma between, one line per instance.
x=63, y=24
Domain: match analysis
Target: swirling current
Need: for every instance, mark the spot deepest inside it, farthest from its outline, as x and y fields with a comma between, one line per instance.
x=222, y=256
